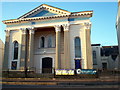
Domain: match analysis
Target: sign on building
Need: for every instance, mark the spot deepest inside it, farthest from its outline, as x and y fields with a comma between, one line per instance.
x=86, y=71
x=64, y=72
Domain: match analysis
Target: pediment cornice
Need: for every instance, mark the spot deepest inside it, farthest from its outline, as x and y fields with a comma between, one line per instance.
x=45, y=7
x=61, y=14
x=86, y=14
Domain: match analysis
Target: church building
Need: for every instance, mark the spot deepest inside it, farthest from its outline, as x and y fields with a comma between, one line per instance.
x=48, y=38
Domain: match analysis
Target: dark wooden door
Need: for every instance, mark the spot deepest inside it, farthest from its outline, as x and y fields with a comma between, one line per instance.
x=47, y=65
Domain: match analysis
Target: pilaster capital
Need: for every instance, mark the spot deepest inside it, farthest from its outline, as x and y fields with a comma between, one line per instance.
x=66, y=27
x=31, y=31
x=23, y=30
x=31, y=28
x=57, y=28
x=7, y=32
x=87, y=25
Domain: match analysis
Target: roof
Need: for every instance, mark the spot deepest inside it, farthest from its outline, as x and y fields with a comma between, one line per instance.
x=95, y=45
x=59, y=13
x=110, y=46
x=47, y=7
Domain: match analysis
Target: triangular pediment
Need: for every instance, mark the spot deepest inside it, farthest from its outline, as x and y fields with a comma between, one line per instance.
x=43, y=11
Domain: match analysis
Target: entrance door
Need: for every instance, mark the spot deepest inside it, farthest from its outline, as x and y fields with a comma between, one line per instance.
x=104, y=66
x=77, y=64
x=47, y=65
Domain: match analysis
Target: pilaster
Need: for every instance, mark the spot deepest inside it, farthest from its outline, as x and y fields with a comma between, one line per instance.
x=66, y=46
x=89, y=60
x=23, y=58
x=31, y=49
x=57, y=61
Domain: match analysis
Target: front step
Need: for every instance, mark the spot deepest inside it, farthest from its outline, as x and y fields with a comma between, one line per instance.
x=47, y=75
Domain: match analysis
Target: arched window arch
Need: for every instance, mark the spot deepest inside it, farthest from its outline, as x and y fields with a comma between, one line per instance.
x=49, y=41
x=42, y=42
x=15, y=50
x=77, y=47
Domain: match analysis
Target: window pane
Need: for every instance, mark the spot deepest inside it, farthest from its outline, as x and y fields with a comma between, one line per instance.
x=49, y=41
x=94, y=58
x=15, y=50
x=77, y=48
x=94, y=54
x=42, y=42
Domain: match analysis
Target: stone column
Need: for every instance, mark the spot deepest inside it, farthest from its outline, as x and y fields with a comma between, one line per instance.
x=6, y=52
x=66, y=46
x=23, y=49
x=58, y=55
x=31, y=49
x=88, y=45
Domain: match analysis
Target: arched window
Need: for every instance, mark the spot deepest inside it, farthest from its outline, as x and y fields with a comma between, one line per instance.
x=15, y=50
x=42, y=41
x=49, y=41
x=77, y=47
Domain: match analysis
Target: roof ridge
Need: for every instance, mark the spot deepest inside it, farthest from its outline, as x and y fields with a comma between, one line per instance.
x=83, y=11
x=42, y=6
x=56, y=7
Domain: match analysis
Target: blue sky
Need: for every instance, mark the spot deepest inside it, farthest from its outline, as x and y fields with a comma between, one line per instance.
x=103, y=29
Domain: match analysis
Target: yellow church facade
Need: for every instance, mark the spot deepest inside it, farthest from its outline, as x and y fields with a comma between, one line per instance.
x=48, y=38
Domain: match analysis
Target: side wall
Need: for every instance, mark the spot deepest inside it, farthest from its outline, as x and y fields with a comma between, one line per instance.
x=1, y=54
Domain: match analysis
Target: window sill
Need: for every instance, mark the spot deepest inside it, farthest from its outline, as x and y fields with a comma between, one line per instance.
x=46, y=48
x=94, y=64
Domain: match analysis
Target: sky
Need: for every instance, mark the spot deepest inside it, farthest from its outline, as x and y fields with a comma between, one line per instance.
x=103, y=30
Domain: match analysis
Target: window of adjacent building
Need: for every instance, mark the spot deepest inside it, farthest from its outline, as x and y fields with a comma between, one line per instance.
x=94, y=54
x=42, y=42
x=49, y=41
x=15, y=50
x=94, y=58
x=77, y=47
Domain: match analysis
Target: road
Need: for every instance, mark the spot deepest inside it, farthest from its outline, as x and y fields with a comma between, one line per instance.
x=60, y=86
x=65, y=85
x=112, y=83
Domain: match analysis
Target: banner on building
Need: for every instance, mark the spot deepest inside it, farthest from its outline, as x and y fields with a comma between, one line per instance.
x=64, y=72
x=86, y=71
